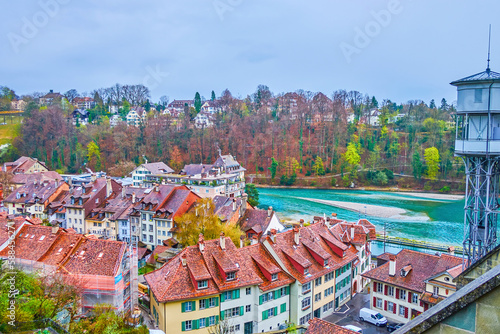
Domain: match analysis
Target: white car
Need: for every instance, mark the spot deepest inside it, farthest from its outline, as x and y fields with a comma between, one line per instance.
x=365, y=314
x=353, y=328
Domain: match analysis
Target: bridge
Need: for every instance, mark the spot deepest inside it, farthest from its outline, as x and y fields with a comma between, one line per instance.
x=418, y=244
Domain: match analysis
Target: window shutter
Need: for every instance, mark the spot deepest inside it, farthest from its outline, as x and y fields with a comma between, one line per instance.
x=222, y=297
x=397, y=293
x=283, y=308
x=183, y=326
x=275, y=292
x=264, y=315
x=374, y=301
x=287, y=290
x=385, y=290
x=216, y=319
x=242, y=310
x=421, y=304
x=183, y=307
x=374, y=286
x=221, y=315
x=260, y=299
x=195, y=324
x=385, y=305
x=276, y=310
x=409, y=296
x=406, y=312
x=394, y=309
x=236, y=294
x=216, y=301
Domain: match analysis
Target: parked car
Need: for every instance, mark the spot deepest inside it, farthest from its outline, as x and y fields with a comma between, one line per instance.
x=353, y=328
x=393, y=326
x=371, y=316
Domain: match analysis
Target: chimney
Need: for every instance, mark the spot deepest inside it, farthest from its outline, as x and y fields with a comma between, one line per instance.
x=269, y=211
x=183, y=259
x=55, y=228
x=242, y=241
x=201, y=243
x=296, y=235
x=301, y=222
x=109, y=189
x=352, y=232
x=123, y=192
x=234, y=204
x=255, y=240
x=70, y=182
x=93, y=177
x=451, y=250
x=133, y=197
x=157, y=187
x=334, y=215
x=222, y=241
x=56, y=183
x=392, y=265
x=273, y=235
x=243, y=206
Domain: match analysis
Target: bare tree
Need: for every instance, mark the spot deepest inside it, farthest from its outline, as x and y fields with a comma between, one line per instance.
x=223, y=327
x=71, y=94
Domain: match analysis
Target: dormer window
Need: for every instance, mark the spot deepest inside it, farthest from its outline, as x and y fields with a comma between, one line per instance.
x=203, y=284
x=306, y=271
x=447, y=279
x=274, y=277
x=231, y=276
x=325, y=263
x=72, y=200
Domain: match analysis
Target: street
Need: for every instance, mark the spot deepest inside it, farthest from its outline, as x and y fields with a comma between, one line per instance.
x=349, y=315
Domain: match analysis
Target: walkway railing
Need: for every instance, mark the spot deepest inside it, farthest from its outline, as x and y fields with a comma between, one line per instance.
x=417, y=243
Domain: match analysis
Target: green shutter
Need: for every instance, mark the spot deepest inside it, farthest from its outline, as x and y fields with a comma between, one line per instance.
x=221, y=315
x=196, y=324
x=216, y=319
x=238, y=293
x=276, y=310
x=216, y=301
x=183, y=326
x=183, y=307
x=242, y=311
x=264, y=315
x=261, y=299
x=275, y=294
x=283, y=308
x=222, y=297
x=287, y=290
x=193, y=306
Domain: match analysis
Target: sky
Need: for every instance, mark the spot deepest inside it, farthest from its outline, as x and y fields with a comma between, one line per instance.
x=391, y=49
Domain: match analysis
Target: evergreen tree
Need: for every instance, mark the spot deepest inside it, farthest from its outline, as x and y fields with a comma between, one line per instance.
x=417, y=165
x=197, y=102
x=213, y=96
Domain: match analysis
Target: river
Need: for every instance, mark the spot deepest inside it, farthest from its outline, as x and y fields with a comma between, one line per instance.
x=409, y=215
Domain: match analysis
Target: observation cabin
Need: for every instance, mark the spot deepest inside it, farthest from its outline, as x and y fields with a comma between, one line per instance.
x=478, y=115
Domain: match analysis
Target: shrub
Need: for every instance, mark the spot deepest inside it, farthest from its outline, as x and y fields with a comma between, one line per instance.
x=445, y=189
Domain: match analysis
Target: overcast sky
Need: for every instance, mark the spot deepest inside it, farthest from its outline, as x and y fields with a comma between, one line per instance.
x=400, y=50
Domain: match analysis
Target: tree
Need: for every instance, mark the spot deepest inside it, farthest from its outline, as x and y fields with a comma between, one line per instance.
x=432, y=104
x=213, y=98
x=94, y=156
x=164, y=100
x=197, y=102
x=176, y=159
x=201, y=219
x=122, y=169
x=318, y=167
x=431, y=156
x=253, y=194
x=223, y=327
x=273, y=168
x=352, y=155
x=71, y=94
x=417, y=165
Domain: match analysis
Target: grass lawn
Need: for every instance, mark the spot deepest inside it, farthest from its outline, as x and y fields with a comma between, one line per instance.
x=9, y=130
x=146, y=269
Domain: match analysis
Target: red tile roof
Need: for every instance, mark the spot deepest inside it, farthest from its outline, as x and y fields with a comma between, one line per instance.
x=423, y=267
x=318, y=326
x=296, y=256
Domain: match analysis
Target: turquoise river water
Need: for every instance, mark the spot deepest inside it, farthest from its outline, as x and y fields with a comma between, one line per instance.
x=408, y=216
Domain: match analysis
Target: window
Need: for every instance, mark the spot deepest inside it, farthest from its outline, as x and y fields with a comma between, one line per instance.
x=379, y=302
x=212, y=302
x=402, y=311
x=306, y=302
x=248, y=308
x=202, y=323
x=271, y=312
x=390, y=291
x=203, y=284
x=306, y=287
x=478, y=95
x=379, y=288
x=188, y=306
x=211, y=320
x=446, y=279
x=188, y=325
x=248, y=291
x=414, y=298
x=305, y=319
x=329, y=276
x=229, y=295
x=390, y=306
x=402, y=294
x=274, y=277
x=317, y=297
x=230, y=276
x=435, y=291
x=317, y=281
x=232, y=312
x=306, y=271
x=328, y=291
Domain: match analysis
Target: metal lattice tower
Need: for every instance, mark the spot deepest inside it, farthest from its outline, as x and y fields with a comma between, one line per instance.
x=478, y=144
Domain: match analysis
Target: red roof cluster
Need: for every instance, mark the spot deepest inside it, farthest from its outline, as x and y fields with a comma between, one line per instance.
x=318, y=326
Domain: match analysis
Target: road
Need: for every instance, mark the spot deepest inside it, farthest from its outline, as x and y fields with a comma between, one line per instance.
x=351, y=316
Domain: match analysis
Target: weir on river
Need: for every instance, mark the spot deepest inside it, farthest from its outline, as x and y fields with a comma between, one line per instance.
x=432, y=218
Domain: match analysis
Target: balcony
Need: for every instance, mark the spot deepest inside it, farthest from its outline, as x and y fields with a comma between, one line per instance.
x=477, y=147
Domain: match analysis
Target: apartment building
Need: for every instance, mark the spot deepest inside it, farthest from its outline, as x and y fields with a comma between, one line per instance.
x=400, y=283
x=139, y=174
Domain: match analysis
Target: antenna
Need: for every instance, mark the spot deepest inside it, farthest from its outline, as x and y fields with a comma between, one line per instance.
x=489, y=45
